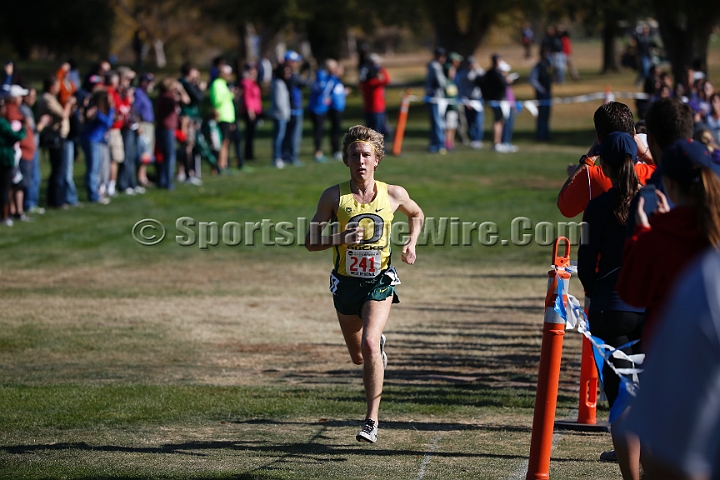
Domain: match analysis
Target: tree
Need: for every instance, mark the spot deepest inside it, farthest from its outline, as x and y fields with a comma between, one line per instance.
x=177, y=27
x=685, y=30
x=268, y=17
x=461, y=25
x=59, y=27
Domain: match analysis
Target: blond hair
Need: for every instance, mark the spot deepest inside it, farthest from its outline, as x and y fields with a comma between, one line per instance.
x=358, y=133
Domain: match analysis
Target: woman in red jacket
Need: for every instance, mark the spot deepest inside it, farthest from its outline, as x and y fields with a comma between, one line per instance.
x=660, y=248
x=373, y=91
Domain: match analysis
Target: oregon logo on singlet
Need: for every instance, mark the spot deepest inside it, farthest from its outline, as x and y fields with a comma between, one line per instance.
x=371, y=255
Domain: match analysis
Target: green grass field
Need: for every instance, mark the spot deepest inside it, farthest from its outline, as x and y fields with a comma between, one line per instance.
x=127, y=361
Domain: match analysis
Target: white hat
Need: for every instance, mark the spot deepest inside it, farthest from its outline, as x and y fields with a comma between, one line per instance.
x=375, y=58
x=504, y=66
x=17, y=91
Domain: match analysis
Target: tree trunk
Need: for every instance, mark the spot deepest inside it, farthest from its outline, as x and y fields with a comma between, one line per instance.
x=685, y=32
x=444, y=18
x=242, y=45
x=610, y=63
x=327, y=29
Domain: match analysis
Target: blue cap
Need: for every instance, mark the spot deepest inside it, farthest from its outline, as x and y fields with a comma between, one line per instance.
x=682, y=160
x=292, y=56
x=616, y=146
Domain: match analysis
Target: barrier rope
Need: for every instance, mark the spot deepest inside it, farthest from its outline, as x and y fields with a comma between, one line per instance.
x=529, y=105
x=575, y=317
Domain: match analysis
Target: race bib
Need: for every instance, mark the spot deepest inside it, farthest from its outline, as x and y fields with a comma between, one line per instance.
x=363, y=263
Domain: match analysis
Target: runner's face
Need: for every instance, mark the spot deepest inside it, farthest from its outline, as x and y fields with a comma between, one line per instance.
x=361, y=160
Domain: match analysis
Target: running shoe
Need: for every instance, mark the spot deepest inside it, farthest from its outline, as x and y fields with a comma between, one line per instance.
x=368, y=433
x=609, y=456
x=382, y=350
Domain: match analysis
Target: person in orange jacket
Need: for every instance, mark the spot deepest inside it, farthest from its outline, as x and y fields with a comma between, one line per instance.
x=587, y=181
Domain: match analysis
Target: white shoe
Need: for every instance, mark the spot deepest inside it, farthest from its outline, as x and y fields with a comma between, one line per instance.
x=338, y=156
x=383, y=340
x=104, y=201
x=369, y=432
x=194, y=181
x=510, y=148
x=500, y=148
x=180, y=177
x=476, y=145
x=7, y=222
x=139, y=189
x=129, y=191
x=111, y=189
x=278, y=163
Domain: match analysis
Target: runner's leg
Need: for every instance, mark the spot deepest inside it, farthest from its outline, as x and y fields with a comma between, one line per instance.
x=375, y=317
x=352, y=327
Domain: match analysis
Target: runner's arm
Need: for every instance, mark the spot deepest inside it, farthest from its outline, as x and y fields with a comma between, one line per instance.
x=315, y=241
x=402, y=201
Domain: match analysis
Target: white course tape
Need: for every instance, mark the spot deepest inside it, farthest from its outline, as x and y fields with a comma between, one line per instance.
x=529, y=105
x=574, y=316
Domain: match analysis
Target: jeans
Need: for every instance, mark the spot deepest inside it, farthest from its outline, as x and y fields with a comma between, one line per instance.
x=437, y=128
x=93, y=160
x=293, y=138
x=71, y=196
x=32, y=196
x=543, y=119
x=509, y=126
x=166, y=141
x=560, y=64
x=644, y=69
x=278, y=138
x=476, y=124
x=127, y=178
x=376, y=121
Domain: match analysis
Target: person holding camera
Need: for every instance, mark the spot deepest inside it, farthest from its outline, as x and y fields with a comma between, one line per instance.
x=171, y=94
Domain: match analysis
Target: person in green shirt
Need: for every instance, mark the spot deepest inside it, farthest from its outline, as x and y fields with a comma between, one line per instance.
x=222, y=100
x=8, y=138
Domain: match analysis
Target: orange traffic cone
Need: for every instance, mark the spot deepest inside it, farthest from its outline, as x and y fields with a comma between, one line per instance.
x=402, y=122
x=587, y=405
x=549, y=371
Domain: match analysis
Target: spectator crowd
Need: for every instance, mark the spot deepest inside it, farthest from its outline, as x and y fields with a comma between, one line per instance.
x=649, y=192
x=134, y=130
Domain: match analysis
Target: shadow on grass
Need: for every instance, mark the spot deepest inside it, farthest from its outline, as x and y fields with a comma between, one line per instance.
x=298, y=450
x=478, y=357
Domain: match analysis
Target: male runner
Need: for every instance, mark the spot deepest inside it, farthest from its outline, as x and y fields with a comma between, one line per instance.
x=363, y=280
